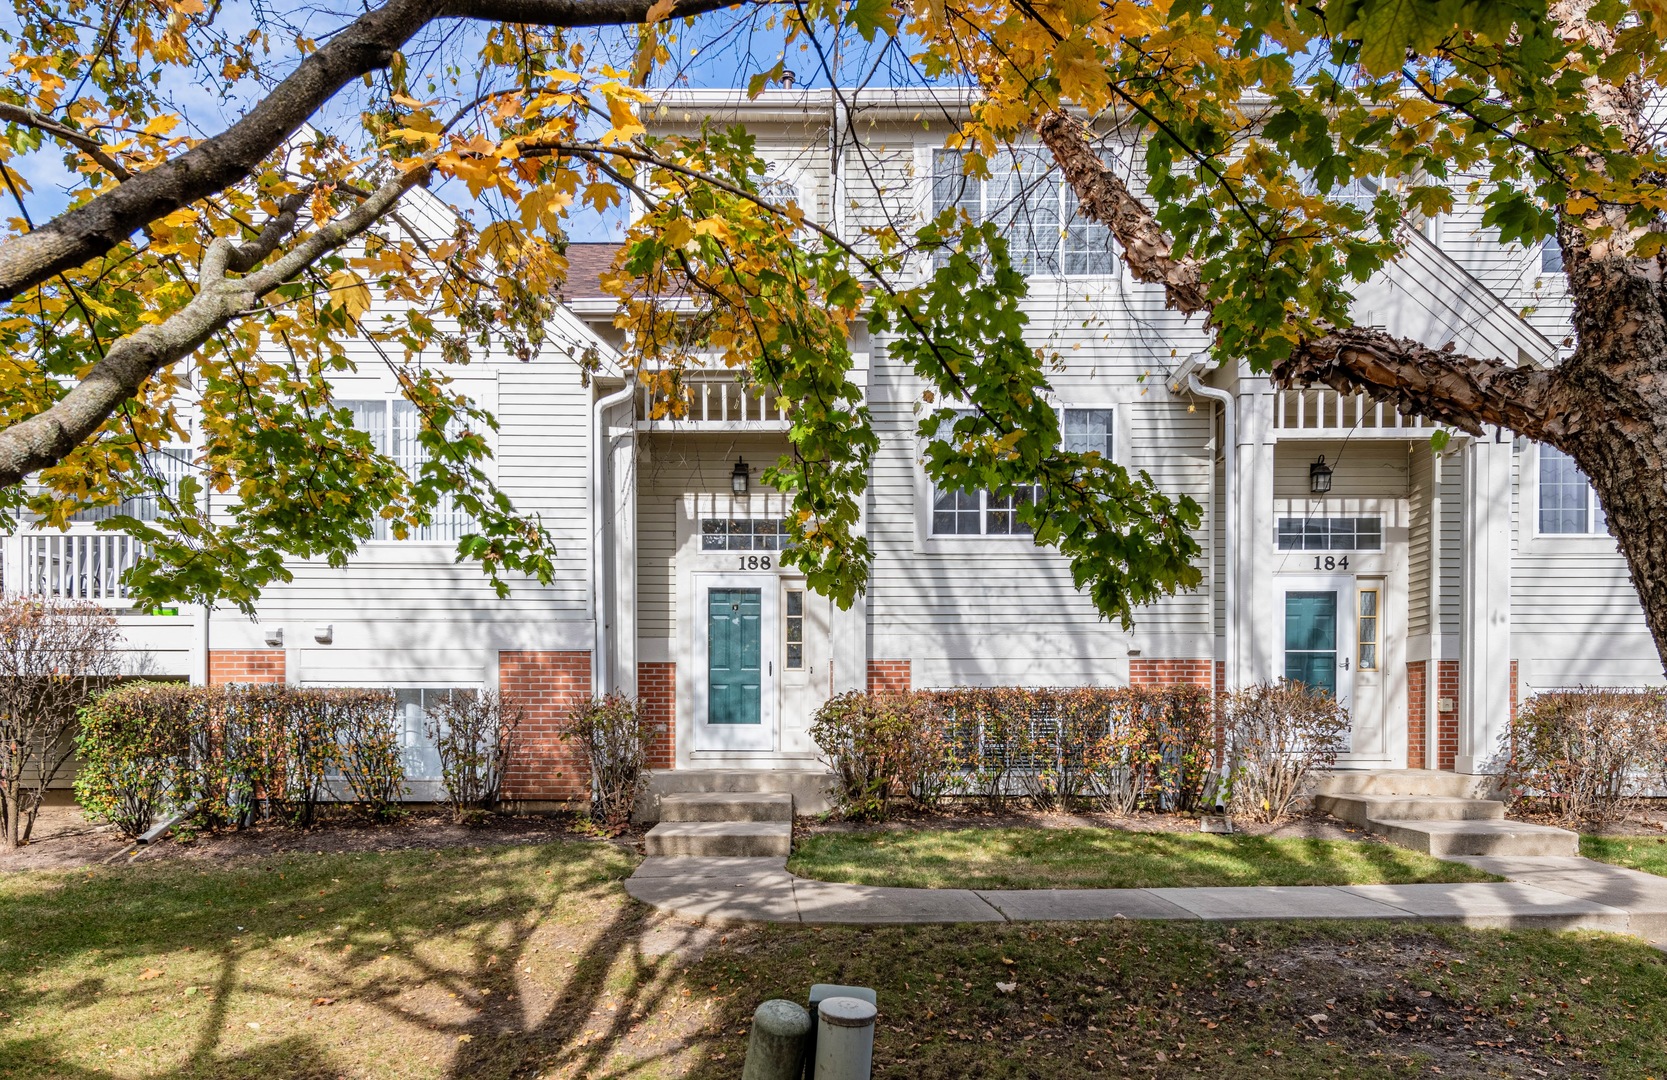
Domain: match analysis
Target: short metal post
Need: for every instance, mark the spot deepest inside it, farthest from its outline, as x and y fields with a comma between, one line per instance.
x=820, y=992
x=845, y=1039
x=777, y=1043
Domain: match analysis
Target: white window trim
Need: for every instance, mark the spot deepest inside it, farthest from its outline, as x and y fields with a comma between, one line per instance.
x=925, y=149
x=928, y=543
x=483, y=392
x=1528, y=509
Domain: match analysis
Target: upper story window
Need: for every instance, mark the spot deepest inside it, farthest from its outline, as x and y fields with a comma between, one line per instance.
x=167, y=466
x=1358, y=192
x=1568, y=505
x=395, y=426
x=986, y=513
x=1551, y=256
x=1028, y=199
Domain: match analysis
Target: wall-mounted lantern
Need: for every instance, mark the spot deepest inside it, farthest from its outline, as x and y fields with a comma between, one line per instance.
x=1319, y=477
x=739, y=478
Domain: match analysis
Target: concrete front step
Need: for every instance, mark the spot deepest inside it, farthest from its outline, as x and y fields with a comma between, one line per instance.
x=1404, y=782
x=714, y=838
x=1362, y=809
x=812, y=789
x=726, y=806
x=1447, y=838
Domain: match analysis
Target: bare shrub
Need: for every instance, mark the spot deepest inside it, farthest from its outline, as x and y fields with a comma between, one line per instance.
x=615, y=738
x=1278, y=734
x=1588, y=752
x=54, y=655
x=475, y=734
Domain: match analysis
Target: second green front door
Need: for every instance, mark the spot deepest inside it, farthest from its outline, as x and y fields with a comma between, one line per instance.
x=734, y=626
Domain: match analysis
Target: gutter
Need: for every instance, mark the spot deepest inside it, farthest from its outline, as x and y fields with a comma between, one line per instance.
x=1187, y=379
x=601, y=663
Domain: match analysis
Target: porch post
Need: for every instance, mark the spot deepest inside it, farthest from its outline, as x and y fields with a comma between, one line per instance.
x=1254, y=641
x=1485, y=601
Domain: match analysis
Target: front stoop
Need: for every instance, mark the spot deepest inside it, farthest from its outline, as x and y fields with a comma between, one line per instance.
x=727, y=838
x=1442, y=814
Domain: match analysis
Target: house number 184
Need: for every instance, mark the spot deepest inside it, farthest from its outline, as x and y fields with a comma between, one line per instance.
x=755, y=562
x=1329, y=562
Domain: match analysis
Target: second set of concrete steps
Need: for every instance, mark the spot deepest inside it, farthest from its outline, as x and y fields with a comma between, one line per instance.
x=732, y=823
x=1441, y=813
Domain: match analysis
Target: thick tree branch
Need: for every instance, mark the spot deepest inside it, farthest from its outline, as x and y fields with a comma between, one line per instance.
x=1103, y=195
x=47, y=437
x=79, y=139
x=367, y=44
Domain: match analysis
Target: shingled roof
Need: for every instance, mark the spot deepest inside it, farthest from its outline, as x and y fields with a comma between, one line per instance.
x=586, y=263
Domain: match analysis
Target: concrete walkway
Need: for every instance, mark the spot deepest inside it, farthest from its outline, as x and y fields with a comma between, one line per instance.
x=1555, y=892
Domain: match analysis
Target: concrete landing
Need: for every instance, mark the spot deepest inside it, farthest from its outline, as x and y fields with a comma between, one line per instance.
x=1544, y=893
x=1440, y=813
x=1446, y=838
x=720, y=838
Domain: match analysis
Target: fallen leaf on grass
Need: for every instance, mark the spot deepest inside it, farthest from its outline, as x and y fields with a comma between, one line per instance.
x=150, y=973
x=465, y=1038
x=1007, y=987
x=324, y=1001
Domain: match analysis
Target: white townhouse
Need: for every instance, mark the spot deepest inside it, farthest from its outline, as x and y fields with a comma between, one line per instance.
x=1429, y=591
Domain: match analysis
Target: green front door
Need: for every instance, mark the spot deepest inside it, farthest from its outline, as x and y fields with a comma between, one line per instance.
x=1311, y=640
x=734, y=621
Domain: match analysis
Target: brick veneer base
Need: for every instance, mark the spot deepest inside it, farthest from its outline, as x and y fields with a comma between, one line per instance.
x=657, y=703
x=1150, y=671
x=547, y=685
x=245, y=666
x=1447, y=723
x=1417, y=701
x=889, y=676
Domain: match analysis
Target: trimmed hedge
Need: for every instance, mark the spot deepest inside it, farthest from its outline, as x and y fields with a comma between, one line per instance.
x=1587, y=754
x=1115, y=748
x=236, y=753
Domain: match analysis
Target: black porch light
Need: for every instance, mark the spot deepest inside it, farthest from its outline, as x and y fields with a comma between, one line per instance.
x=1319, y=477
x=739, y=478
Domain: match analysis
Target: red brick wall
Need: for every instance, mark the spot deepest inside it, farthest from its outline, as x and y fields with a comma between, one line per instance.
x=1417, y=701
x=1144, y=671
x=245, y=666
x=1447, y=723
x=657, y=703
x=547, y=685
x=1513, y=693
x=889, y=676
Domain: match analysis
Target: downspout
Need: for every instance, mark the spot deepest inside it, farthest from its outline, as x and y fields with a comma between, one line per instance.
x=1231, y=525
x=601, y=665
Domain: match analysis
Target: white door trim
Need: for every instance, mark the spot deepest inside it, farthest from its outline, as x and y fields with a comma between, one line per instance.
x=732, y=738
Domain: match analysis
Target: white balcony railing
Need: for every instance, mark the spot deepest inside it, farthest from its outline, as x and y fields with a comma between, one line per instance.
x=721, y=403
x=74, y=565
x=1321, y=410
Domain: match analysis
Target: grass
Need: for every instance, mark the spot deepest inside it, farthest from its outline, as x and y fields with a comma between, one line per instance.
x=1108, y=859
x=1647, y=853
x=530, y=961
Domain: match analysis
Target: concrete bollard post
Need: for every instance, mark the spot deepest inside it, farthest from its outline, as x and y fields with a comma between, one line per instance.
x=776, y=1046
x=845, y=1039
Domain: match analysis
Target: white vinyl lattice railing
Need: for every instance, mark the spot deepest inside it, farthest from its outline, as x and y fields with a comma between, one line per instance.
x=711, y=402
x=1324, y=409
x=77, y=566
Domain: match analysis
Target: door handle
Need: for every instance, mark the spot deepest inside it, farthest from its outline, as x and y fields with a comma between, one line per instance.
x=772, y=669
x=1345, y=664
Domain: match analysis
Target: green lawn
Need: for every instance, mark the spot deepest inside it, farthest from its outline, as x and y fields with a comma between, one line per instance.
x=1647, y=853
x=530, y=961
x=1108, y=859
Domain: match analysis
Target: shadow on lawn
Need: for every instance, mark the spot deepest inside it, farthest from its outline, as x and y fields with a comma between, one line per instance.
x=509, y=964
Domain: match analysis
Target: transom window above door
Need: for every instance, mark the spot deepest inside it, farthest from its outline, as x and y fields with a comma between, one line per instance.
x=986, y=513
x=743, y=534
x=1330, y=534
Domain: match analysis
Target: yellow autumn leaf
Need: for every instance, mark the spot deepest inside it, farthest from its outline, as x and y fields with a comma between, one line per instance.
x=349, y=292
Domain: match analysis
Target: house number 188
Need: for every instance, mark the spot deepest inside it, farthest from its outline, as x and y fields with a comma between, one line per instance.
x=754, y=562
x=1329, y=562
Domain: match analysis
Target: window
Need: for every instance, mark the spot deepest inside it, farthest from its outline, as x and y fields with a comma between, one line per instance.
x=1366, y=639
x=394, y=427
x=417, y=747
x=795, y=628
x=1568, y=505
x=168, y=466
x=1330, y=534
x=743, y=534
x=1551, y=257
x=987, y=513
x=1036, y=211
